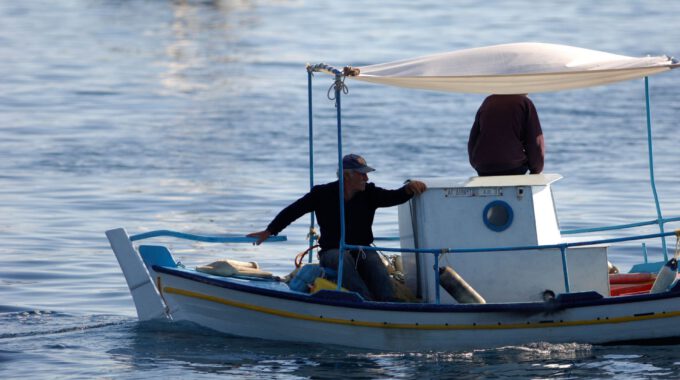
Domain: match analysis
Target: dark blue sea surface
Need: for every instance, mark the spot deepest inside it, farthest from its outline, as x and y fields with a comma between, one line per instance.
x=192, y=116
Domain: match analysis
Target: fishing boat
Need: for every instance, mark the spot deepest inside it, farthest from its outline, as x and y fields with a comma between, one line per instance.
x=556, y=285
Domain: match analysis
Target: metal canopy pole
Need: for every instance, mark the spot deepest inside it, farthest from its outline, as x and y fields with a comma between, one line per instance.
x=565, y=269
x=312, y=231
x=341, y=183
x=339, y=87
x=660, y=220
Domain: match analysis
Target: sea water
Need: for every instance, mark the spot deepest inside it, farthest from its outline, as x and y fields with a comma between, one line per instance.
x=192, y=116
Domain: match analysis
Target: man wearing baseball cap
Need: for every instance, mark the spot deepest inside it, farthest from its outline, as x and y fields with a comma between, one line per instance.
x=363, y=272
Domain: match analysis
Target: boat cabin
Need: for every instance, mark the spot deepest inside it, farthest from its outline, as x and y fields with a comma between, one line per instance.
x=495, y=212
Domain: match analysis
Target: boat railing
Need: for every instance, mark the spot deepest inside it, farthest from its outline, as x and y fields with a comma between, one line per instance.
x=224, y=238
x=202, y=238
x=646, y=265
x=577, y=231
x=619, y=226
x=597, y=229
x=437, y=252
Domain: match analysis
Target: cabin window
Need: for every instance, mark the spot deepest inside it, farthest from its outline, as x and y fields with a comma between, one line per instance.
x=497, y=216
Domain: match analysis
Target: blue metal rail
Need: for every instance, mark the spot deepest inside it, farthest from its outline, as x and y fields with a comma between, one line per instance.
x=203, y=238
x=312, y=231
x=619, y=227
x=341, y=258
x=562, y=247
x=651, y=169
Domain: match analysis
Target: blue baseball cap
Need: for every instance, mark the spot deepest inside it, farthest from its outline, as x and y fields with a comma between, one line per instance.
x=357, y=163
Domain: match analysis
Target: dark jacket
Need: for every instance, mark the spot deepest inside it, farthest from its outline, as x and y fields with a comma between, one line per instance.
x=506, y=135
x=359, y=212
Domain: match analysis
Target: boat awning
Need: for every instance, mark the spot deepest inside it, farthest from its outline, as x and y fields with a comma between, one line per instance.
x=518, y=68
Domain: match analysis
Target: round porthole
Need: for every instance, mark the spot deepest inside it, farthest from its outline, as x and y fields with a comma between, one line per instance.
x=497, y=216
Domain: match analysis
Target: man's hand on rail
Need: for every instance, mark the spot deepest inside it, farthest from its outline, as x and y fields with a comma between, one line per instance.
x=260, y=236
x=415, y=187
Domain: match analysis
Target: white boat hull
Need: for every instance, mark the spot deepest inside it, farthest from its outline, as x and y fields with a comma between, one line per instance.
x=406, y=328
x=269, y=310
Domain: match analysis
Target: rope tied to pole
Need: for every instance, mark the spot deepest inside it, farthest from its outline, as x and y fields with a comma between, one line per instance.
x=337, y=86
x=360, y=255
x=312, y=235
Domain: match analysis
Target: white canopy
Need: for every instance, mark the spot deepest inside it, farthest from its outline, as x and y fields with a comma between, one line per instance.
x=518, y=68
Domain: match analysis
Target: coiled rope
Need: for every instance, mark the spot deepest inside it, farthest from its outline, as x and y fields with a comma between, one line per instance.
x=338, y=85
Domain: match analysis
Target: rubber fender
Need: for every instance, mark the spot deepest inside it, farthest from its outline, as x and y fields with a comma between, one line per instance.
x=665, y=277
x=456, y=286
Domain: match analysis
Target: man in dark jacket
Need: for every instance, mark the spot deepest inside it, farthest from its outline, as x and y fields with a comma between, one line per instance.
x=363, y=272
x=506, y=137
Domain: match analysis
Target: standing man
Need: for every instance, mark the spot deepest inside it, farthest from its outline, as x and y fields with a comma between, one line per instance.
x=506, y=137
x=363, y=272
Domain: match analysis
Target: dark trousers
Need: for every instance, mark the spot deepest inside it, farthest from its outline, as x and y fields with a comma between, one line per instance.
x=362, y=272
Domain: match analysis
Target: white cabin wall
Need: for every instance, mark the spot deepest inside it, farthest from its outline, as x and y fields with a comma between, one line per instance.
x=408, y=259
x=453, y=218
x=451, y=215
x=523, y=276
x=547, y=227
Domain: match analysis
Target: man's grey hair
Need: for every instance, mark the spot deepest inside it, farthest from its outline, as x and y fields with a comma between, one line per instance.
x=346, y=171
